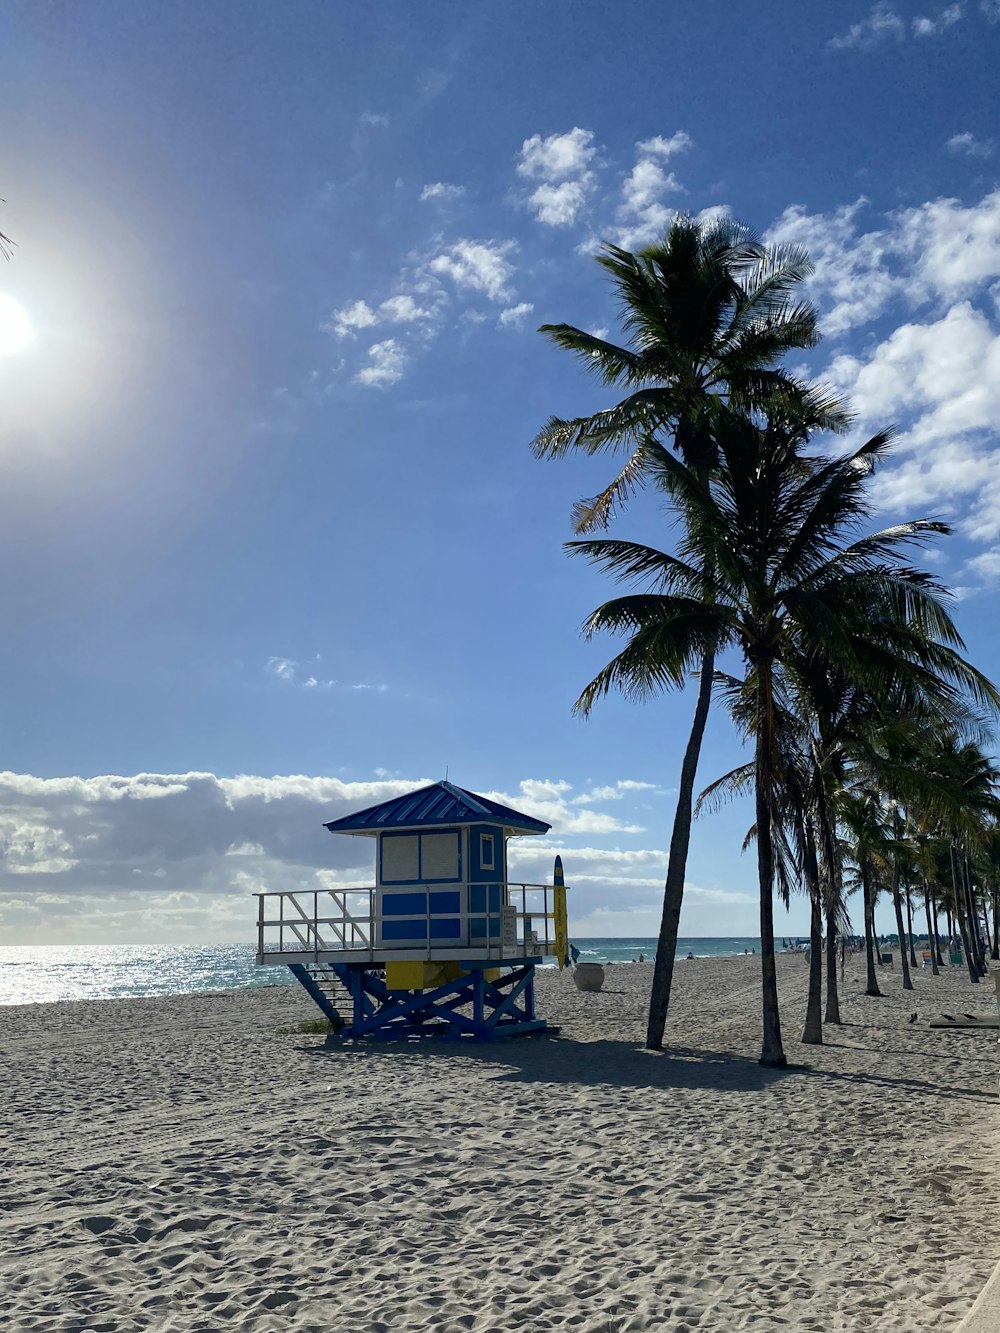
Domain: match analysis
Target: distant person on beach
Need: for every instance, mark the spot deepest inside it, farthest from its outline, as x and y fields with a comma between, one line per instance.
x=642, y=958
x=690, y=955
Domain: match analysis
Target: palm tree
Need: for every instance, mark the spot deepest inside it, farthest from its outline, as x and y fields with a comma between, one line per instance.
x=764, y=565
x=796, y=844
x=868, y=840
x=900, y=867
x=955, y=801
x=976, y=779
x=709, y=315
x=990, y=868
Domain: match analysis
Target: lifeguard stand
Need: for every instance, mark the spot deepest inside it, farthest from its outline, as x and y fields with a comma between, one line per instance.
x=442, y=943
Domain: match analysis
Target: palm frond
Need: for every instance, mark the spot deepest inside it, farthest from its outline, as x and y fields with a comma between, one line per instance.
x=731, y=785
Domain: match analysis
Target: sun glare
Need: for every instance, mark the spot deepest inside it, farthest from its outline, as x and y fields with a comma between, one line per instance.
x=15, y=326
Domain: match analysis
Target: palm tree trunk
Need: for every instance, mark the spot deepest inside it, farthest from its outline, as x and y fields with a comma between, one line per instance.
x=970, y=957
x=772, y=1053
x=931, y=934
x=909, y=929
x=832, y=994
x=937, y=932
x=869, y=909
x=680, y=839
x=898, y=904
x=833, y=895
x=812, y=1033
x=897, y=901
x=974, y=932
x=986, y=905
x=969, y=905
x=995, y=951
x=968, y=945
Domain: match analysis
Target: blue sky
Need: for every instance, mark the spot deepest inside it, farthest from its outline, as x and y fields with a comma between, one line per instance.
x=268, y=503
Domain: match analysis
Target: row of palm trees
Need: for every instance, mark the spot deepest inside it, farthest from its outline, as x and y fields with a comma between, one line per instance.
x=834, y=653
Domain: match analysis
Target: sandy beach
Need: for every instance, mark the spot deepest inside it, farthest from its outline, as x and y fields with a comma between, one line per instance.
x=188, y=1164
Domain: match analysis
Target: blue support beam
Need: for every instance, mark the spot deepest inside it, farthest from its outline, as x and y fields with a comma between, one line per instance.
x=495, y=1010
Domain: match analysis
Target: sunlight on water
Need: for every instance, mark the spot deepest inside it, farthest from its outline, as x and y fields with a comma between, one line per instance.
x=44, y=973
x=32, y=975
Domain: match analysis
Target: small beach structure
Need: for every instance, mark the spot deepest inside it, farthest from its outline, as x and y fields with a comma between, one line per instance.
x=442, y=943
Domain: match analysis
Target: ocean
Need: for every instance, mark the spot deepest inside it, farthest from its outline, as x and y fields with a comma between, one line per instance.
x=39, y=974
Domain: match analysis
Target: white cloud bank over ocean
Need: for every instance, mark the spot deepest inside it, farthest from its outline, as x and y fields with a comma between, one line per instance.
x=175, y=858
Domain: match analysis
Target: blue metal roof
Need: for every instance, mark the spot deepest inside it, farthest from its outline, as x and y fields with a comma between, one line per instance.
x=440, y=804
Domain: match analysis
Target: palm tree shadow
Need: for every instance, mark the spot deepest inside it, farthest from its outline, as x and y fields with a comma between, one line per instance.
x=562, y=1060
x=949, y=1091
x=621, y=1064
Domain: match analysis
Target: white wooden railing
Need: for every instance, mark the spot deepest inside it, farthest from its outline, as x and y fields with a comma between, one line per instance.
x=344, y=920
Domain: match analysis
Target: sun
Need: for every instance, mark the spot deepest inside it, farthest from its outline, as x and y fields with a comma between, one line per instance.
x=15, y=326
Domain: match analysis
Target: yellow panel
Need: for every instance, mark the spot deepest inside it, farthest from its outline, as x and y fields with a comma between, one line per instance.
x=561, y=924
x=420, y=976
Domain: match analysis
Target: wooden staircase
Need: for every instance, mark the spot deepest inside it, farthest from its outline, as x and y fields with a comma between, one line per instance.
x=325, y=990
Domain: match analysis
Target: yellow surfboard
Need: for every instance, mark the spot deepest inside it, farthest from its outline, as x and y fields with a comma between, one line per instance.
x=560, y=922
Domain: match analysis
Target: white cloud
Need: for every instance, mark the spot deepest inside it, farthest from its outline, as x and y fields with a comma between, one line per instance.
x=180, y=832
x=305, y=676
x=987, y=566
x=967, y=145
x=990, y=9
x=561, y=166
x=665, y=148
x=514, y=316
x=713, y=213
x=597, y=859
x=282, y=667
x=32, y=848
x=164, y=856
x=642, y=215
x=558, y=157
x=615, y=793
x=852, y=283
x=387, y=359
x=942, y=381
x=345, y=323
x=402, y=309
x=643, y=919
x=548, y=800
x=478, y=266
x=939, y=251
x=386, y=363
x=441, y=190
x=644, y=186
x=929, y=27
x=882, y=24
x=937, y=373
x=954, y=248
x=376, y=119
x=293, y=673
x=558, y=205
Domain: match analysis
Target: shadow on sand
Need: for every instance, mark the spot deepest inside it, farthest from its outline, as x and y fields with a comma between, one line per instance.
x=557, y=1059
